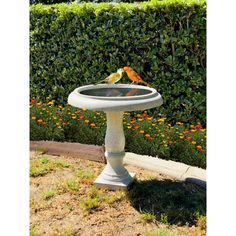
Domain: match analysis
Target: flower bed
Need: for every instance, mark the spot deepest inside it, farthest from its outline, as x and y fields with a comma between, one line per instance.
x=147, y=135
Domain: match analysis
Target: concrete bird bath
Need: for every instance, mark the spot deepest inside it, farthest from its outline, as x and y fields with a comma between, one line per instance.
x=114, y=100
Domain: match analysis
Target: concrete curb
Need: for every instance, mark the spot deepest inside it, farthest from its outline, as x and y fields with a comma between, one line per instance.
x=174, y=169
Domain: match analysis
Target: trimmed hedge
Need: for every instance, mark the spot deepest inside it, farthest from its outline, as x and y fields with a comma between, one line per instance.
x=164, y=41
x=50, y=1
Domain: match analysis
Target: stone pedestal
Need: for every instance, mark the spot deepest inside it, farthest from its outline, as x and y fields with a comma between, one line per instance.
x=114, y=176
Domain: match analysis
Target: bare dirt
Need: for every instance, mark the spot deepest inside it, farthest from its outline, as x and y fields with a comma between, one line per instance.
x=63, y=214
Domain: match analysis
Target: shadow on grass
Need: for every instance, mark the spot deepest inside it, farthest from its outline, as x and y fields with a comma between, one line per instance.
x=169, y=201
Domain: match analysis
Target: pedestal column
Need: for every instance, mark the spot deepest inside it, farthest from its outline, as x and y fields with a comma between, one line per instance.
x=114, y=175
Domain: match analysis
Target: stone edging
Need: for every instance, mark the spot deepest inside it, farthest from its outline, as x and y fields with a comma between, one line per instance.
x=174, y=169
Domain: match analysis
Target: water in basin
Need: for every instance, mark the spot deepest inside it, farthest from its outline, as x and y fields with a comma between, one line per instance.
x=115, y=92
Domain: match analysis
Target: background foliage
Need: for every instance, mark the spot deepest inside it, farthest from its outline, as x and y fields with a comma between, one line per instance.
x=78, y=1
x=164, y=41
x=50, y=1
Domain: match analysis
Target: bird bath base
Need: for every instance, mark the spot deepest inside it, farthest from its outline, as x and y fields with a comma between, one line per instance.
x=102, y=182
x=114, y=176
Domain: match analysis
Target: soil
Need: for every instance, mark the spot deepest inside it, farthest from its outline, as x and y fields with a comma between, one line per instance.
x=62, y=214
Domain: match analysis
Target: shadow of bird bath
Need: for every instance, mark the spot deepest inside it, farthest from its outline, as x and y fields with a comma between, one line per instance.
x=174, y=202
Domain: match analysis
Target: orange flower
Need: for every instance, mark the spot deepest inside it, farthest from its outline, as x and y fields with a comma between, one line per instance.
x=40, y=121
x=81, y=117
x=150, y=138
x=92, y=125
x=44, y=123
x=33, y=118
x=189, y=138
x=181, y=136
x=63, y=124
x=186, y=132
x=170, y=142
x=192, y=126
x=198, y=126
x=133, y=122
x=86, y=121
x=193, y=142
x=147, y=135
x=199, y=147
x=59, y=127
x=137, y=127
x=141, y=131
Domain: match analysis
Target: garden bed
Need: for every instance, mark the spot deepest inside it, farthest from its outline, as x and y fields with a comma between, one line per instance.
x=145, y=134
x=63, y=201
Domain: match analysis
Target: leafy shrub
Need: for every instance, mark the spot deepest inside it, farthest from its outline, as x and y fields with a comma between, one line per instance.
x=50, y=1
x=164, y=41
x=144, y=134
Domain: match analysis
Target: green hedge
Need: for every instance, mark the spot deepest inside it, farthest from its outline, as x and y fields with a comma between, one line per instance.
x=50, y=1
x=165, y=41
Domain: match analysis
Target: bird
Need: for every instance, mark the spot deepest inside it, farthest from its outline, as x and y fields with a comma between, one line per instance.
x=134, y=76
x=113, y=78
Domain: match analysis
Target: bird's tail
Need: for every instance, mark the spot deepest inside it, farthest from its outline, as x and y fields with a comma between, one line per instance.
x=100, y=81
x=149, y=85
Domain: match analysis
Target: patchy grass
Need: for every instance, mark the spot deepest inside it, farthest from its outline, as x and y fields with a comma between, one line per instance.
x=148, y=217
x=70, y=186
x=167, y=232
x=49, y=194
x=90, y=203
x=45, y=165
x=154, y=205
x=33, y=231
x=85, y=176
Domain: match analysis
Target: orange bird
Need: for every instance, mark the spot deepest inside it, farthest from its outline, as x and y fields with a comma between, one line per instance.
x=134, y=76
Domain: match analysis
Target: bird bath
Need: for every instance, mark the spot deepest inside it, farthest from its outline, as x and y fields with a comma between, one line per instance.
x=114, y=100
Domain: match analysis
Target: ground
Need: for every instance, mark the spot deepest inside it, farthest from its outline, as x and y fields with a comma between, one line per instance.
x=63, y=202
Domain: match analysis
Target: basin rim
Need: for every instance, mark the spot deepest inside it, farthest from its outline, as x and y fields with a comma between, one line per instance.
x=122, y=98
x=98, y=103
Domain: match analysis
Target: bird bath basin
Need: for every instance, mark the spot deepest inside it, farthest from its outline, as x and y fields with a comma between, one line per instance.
x=114, y=99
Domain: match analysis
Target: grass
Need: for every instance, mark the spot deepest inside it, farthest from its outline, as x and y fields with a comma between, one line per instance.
x=148, y=217
x=89, y=203
x=70, y=186
x=101, y=198
x=49, y=194
x=33, y=231
x=93, y=200
x=45, y=165
x=85, y=176
x=167, y=232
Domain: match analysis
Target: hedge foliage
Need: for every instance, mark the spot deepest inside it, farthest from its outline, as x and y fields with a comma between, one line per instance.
x=50, y=1
x=78, y=1
x=164, y=41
